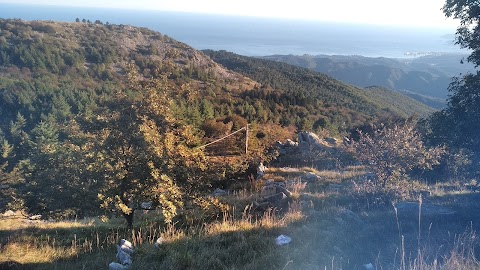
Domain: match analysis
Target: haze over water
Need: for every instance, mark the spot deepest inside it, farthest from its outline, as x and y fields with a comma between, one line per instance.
x=259, y=36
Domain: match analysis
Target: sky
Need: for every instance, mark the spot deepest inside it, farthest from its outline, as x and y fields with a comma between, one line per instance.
x=418, y=13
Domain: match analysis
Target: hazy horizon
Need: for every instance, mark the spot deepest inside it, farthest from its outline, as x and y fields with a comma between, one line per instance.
x=406, y=13
x=259, y=36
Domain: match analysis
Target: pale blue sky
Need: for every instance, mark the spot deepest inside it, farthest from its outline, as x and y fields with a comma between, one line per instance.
x=421, y=13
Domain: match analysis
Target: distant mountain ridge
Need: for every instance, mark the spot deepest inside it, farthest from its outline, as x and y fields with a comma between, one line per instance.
x=424, y=78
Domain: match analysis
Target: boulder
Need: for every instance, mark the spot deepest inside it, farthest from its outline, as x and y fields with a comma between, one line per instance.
x=123, y=257
x=368, y=266
x=261, y=170
x=283, y=240
x=271, y=187
x=158, y=243
x=309, y=138
x=279, y=200
x=290, y=143
x=219, y=192
x=146, y=205
x=8, y=213
x=126, y=246
x=116, y=266
x=35, y=217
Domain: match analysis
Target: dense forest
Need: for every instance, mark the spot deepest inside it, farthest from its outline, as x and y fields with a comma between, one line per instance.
x=84, y=104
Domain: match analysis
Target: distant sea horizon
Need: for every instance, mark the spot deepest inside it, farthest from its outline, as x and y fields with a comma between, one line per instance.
x=253, y=36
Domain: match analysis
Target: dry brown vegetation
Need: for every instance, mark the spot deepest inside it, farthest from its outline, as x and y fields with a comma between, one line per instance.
x=330, y=227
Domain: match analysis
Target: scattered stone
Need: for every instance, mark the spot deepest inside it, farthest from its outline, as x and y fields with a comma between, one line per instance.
x=116, y=266
x=290, y=143
x=279, y=201
x=282, y=189
x=282, y=240
x=35, y=217
x=8, y=213
x=123, y=257
x=368, y=266
x=308, y=141
x=146, y=206
x=331, y=141
x=126, y=246
x=219, y=192
x=261, y=170
x=158, y=243
x=288, y=147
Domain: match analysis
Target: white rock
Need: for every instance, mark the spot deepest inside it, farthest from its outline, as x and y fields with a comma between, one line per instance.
x=126, y=246
x=368, y=266
x=146, y=205
x=116, y=266
x=123, y=257
x=158, y=242
x=282, y=240
x=219, y=192
x=9, y=213
x=35, y=217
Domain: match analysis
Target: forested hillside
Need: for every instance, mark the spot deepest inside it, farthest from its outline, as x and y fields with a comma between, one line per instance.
x=85, y=105
x=424, y=78
x=337, y=99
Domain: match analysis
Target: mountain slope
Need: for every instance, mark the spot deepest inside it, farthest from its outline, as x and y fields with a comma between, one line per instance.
x=426, y=78
x=81, y=104
x=315, y=86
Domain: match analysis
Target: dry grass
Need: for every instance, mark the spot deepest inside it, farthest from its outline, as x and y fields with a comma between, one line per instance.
x=326, y=235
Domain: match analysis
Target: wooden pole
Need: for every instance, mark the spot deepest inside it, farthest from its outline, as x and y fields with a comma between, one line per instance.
x=246, y=140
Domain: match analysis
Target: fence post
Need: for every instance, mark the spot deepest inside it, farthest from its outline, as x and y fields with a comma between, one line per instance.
x=246, y=140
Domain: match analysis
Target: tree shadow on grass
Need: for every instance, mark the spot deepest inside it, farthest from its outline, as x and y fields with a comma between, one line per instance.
x=337, y=240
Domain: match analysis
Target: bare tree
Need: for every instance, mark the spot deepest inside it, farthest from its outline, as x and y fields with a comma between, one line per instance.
x=393, y=152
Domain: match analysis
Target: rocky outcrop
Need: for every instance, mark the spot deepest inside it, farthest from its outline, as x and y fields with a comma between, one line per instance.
x=273, y=195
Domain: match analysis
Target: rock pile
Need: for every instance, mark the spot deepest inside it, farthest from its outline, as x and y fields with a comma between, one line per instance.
x=124, y=256
x=289, y=147
x=274, y=195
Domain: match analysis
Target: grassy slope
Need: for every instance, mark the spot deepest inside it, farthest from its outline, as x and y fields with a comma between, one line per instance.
x=334, y=229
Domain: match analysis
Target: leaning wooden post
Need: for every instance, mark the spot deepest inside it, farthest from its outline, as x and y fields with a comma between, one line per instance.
x=246, y=140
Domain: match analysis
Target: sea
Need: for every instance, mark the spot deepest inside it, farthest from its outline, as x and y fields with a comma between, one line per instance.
x=255, y=36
